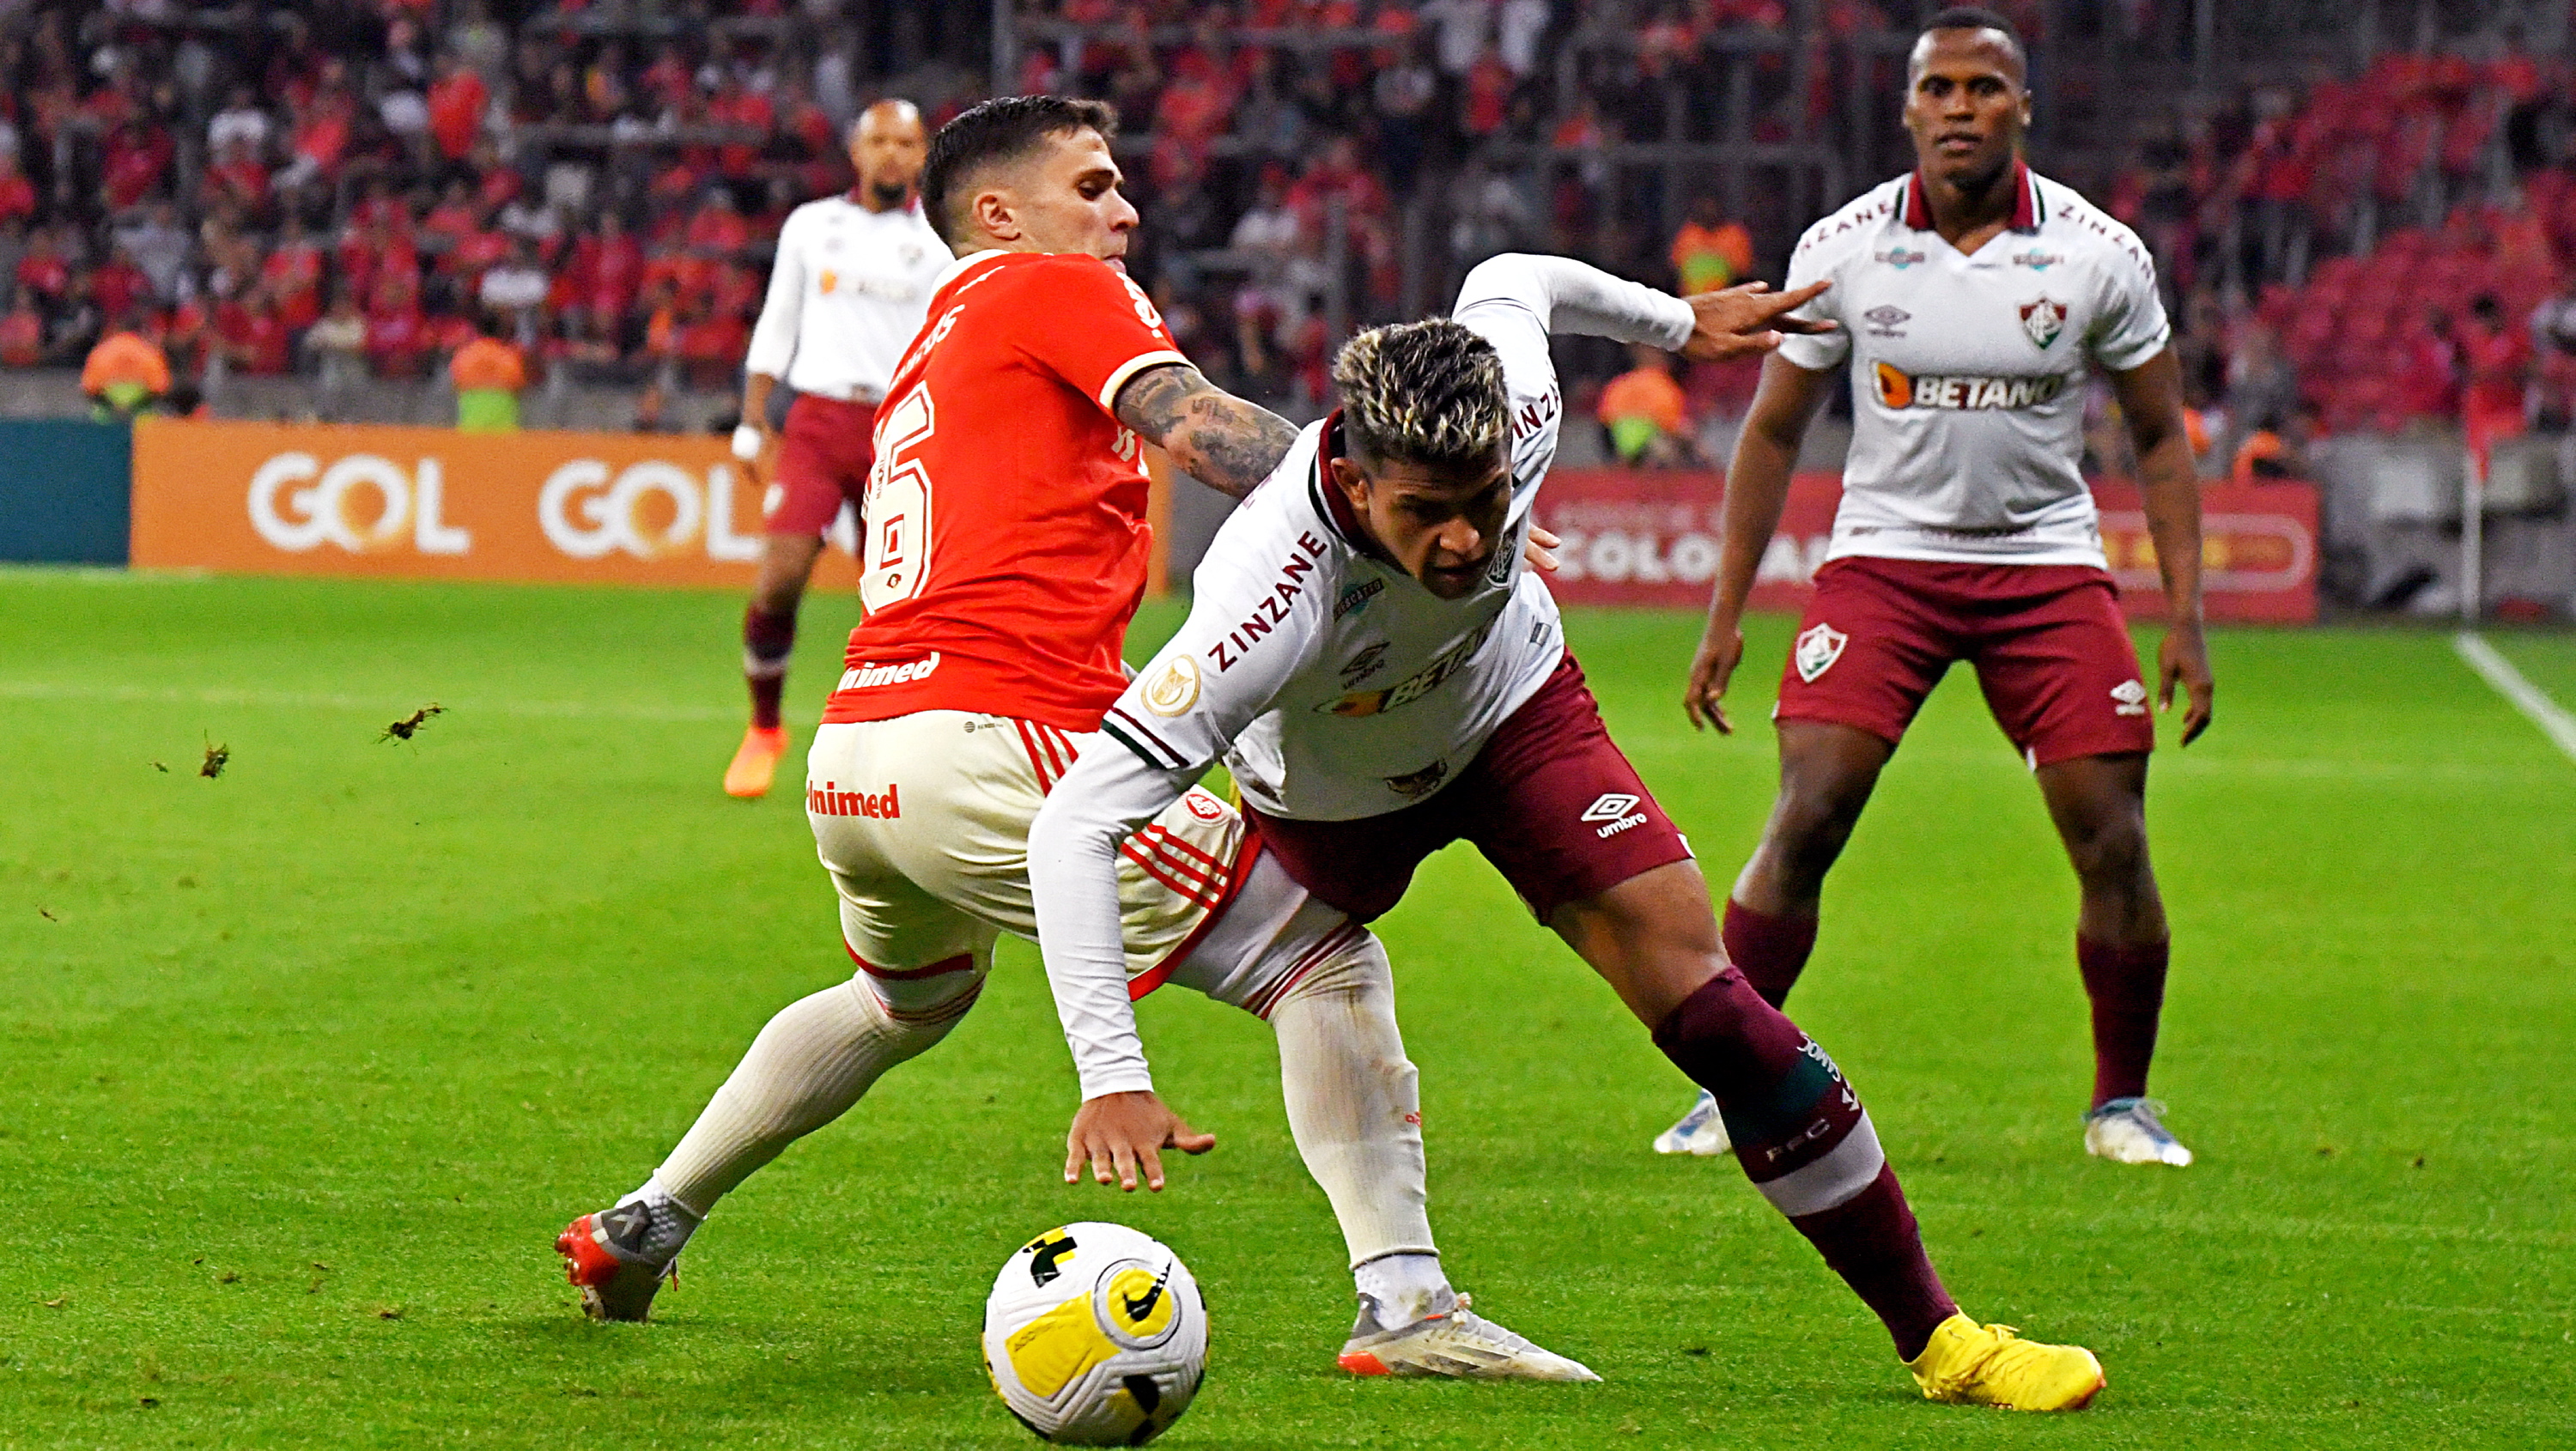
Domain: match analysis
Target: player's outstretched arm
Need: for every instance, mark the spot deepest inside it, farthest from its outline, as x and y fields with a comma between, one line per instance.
x=1224, y=442
x=2150, y=397
x=1757, y=488
x=1122, y=1126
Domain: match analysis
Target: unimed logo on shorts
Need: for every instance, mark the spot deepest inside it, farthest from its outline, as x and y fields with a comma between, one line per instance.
x=830, y=800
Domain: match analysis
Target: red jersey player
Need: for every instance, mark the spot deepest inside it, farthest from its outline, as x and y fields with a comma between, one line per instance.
x=1004, y=552
x=1973, y=295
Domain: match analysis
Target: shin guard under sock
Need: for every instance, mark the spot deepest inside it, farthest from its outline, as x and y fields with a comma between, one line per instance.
x=2126, y=982
x=1770, y=950
x=1804, y=1140
x=767, y=640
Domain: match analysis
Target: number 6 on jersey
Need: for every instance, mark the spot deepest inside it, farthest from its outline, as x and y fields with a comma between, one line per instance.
x=897, y=554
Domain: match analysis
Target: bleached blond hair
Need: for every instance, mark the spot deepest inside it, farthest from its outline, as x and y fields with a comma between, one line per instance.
x=1427, y=393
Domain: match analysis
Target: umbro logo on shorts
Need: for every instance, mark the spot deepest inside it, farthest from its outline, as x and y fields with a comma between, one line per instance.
x=1818, y=648
x=1619, y=809
x=2132, y=698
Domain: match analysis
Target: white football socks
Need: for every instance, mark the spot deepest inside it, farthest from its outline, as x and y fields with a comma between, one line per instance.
x=807, y=1067
x=1353, y=1104
x=668, y=1222
x=1406, y=1287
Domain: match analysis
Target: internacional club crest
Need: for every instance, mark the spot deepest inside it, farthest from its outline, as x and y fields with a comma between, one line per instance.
x=2043, y=318
x=1818, y=648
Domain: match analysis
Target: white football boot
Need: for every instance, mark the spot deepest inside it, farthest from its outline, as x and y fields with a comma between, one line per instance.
x=1451, y=1341
x=2130, y=1131
x=1701, y=1130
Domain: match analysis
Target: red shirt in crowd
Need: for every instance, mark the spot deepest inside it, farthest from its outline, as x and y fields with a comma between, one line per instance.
x=293, y=275
x=456, y=103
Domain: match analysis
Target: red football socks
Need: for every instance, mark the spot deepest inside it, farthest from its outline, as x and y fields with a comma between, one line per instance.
x=766, y=641
x=1771, y=951
x=2126, y=981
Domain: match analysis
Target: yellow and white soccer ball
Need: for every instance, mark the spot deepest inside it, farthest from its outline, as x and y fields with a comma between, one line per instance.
x=1095, y=1336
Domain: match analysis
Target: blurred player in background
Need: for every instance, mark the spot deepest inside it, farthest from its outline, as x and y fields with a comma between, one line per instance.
x=1004, y=552
x=846, y=295
x=1382, y=679
x=1972, y=296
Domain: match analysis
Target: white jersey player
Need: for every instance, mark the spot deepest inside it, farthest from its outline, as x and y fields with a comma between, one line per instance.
x=848, y=291
x=1975, y=297
x=1334, y=686
x=1366, y=654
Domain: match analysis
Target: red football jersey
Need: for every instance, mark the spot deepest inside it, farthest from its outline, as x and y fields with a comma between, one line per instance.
x=1005, y=535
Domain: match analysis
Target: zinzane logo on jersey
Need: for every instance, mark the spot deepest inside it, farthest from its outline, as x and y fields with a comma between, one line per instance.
x=1902, y=390
x=1817, y=651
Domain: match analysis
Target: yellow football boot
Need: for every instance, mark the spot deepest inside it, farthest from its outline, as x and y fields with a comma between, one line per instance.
x=1968, y=1364
x=756, y=762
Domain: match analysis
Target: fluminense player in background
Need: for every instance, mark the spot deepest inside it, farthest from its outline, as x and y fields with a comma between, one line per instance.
x=847, y=292
x=1972, y=295
x=1005, y=552
x=1382, y=678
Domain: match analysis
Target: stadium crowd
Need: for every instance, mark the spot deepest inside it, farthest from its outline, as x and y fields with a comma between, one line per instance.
x=354, y=189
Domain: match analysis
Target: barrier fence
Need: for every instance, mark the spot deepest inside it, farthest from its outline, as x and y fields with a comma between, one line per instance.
x=432, y=503
x=1649, y=538
x=642, y=509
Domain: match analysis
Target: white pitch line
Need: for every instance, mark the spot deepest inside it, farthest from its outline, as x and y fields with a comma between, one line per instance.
x=2530, y=699
x=559, y=709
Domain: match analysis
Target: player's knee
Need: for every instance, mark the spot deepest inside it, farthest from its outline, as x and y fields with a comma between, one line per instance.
x=1809, y=827
x=2109, y=850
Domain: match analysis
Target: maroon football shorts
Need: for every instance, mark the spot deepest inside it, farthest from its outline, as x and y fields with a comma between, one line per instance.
x=823, y=458
x=1550, y=801
x=2051, y=649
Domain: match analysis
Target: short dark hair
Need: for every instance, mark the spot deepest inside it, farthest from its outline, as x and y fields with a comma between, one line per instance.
x=1977, y=17
x=1427, y=393
x=995, y=132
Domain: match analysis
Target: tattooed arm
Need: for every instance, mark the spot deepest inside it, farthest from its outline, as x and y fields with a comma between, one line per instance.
x=1221, y=440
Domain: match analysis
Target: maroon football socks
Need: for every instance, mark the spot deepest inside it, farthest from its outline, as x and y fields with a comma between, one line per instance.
x=766, y=640
x=1770, y=950
x=2126, y=982
x=1802, y=1138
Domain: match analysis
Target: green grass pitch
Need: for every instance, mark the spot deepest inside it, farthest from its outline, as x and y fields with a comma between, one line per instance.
x=301, y=1068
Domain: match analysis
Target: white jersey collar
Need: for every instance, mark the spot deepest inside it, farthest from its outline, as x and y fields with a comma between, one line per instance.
x=1914, y=209
x=961, y=266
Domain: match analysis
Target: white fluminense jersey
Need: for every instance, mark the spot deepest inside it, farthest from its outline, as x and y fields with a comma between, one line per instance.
x=847, y=293
x=1331, y=682
x=1968, y=371
x=1334, y=685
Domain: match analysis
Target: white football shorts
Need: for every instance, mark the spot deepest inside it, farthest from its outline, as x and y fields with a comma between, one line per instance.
x=923, y=823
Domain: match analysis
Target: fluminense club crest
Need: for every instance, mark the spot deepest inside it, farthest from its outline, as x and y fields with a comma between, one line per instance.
x=2043, y=318
x=1818, y=648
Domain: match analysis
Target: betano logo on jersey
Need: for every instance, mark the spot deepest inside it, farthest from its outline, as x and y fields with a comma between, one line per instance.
x=1898, y=389
x=1404, y=692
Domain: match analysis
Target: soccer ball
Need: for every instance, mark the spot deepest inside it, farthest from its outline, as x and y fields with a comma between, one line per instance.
x=1095, y=1336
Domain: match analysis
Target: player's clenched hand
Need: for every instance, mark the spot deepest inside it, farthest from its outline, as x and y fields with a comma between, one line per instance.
x=1711, y=668
x=2184, y=656
x=1118, y=1132
x=1539, y=551
x=1748, y=319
